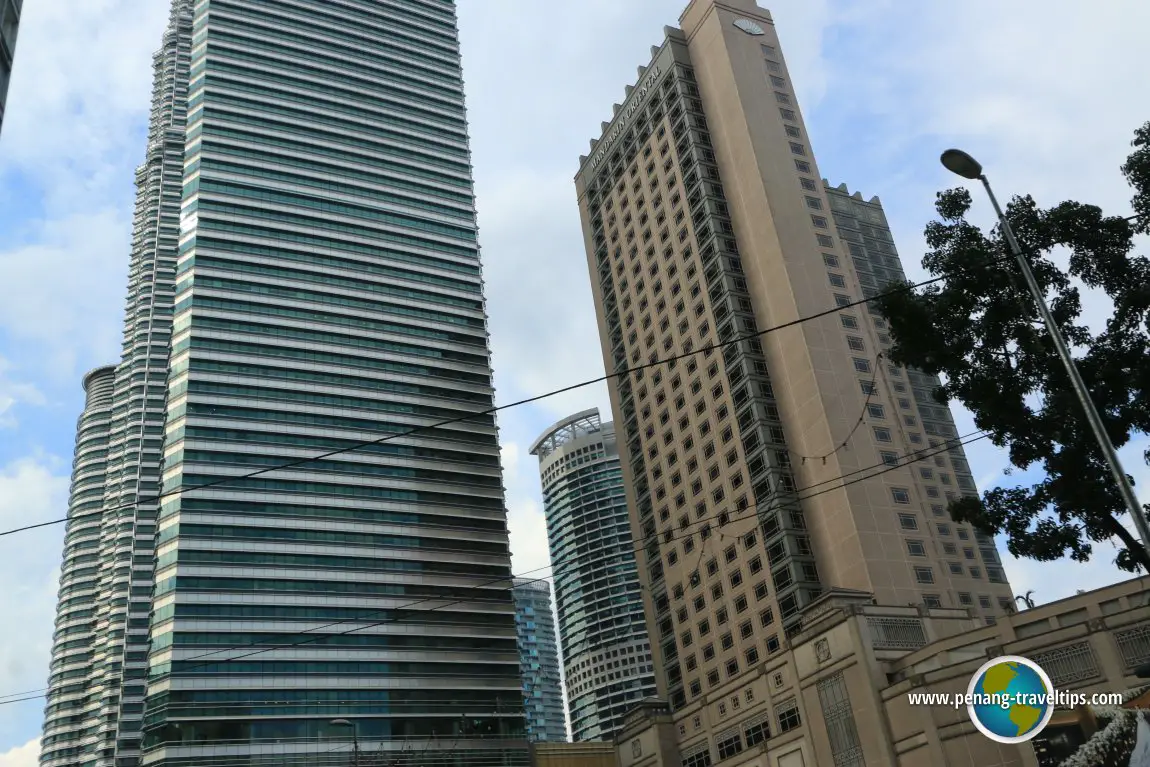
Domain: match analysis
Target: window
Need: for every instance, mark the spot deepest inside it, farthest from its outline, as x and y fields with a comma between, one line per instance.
x=788, y=114
x=889, y=458
x=861, y=365
x=848, y=321
x=900, y=495
x=729, y=743
x=757, y=730
x=842, y=300
x=924, y=575
x=698, y=758
x=955, y=567
x=797, y=148
x=837, y=280
x=788, y=714
x=881, y=434
x=803, y=166
x=782, y=98
x=831, y=260
x=915, y=548
x=814, y=203
x=808, y=184
x=819, y=221
x=964, y=598
x=908, y=521
x=932, y=600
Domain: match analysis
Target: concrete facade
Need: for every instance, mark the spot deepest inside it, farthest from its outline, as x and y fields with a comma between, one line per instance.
x=856, y=663
x=586, y=754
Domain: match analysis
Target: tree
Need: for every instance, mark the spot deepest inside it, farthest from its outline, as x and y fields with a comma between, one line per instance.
x=979, y=329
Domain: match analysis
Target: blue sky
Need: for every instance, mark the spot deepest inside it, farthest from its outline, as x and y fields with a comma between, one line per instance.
x=1046, y=94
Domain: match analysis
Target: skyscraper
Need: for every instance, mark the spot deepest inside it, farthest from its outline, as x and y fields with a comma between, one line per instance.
x=305, y=279
x=9, y=25
x=705, y=221
x=100, y=659
x=539, y=661
x=606, y=653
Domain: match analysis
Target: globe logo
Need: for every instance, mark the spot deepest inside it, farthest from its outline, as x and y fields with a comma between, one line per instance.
x=1010, y=699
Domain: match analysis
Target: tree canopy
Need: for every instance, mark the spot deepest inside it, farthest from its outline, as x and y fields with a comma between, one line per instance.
x=980, y=330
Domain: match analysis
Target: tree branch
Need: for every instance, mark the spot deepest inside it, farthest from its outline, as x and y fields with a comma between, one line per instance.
x=1133, y=545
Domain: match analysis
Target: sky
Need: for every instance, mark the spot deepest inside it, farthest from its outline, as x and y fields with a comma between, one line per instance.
x=1045, y=93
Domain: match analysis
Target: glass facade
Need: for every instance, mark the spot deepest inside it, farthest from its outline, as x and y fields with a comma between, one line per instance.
x=606, y=652
x=9, y=25
x=539, y=662
x=307, y=281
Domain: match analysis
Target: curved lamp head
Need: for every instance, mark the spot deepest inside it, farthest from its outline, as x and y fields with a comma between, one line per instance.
x=340, y=723
x=962, y=164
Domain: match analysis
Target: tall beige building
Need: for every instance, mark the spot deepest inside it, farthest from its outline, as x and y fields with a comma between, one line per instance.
x=705, y=219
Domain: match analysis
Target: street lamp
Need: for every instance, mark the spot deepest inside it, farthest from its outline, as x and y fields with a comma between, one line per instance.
x=354, y=737
x=962, y=164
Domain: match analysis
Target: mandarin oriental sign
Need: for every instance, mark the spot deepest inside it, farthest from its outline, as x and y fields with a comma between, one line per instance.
x=616, y=131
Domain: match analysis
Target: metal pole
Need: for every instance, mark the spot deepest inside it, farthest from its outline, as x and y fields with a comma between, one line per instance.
x=1092, y=417
x=355, y=744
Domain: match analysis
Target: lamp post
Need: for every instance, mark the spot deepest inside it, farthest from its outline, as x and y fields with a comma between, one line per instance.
x=354, y=737
x=962, y=164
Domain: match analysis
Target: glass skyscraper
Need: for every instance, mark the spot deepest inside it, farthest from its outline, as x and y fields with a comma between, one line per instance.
x=539, y=662
x=305, y=279
x=606, y=650
x=9, y=25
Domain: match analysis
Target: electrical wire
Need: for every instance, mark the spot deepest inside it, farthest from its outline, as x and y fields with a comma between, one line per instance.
x=870, y=392
x=883, y=467
x=492, y=410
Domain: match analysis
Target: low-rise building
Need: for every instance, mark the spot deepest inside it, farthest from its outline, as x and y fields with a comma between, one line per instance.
x=856, y=665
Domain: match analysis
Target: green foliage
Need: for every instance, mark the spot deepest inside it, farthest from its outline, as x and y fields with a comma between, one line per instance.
x=979, y=329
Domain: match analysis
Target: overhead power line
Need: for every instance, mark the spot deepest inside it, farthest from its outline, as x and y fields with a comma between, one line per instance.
x=492, y=410
x=801, y=494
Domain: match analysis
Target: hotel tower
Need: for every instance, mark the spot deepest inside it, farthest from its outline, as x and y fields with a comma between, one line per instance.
x=706, y=223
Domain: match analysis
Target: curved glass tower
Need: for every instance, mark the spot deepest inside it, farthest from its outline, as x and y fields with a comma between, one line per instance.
x=72, y=653
x=606, y=653
x=305, y=280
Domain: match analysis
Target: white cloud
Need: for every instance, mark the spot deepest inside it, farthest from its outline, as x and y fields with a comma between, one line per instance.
x=27, y=755
x=69, y=125
x=77, y=265
x=13, y=393
x=32, y=490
